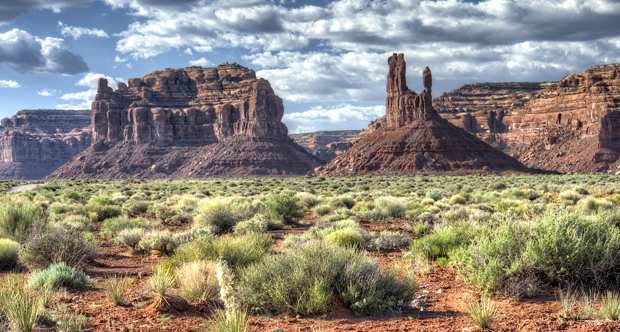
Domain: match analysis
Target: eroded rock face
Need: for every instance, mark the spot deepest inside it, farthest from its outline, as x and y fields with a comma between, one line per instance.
x=326, y=145
x=413, y=139
x=179, y=114
x=33, y=143
x=568, y=126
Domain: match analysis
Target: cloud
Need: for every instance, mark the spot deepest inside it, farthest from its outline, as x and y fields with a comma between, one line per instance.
x=353, y=25
x=78, y=32
x=27, y=53
x=339, y=117
x=203, y=62
x=9, y=9
x=47, y=92
x=83, y=99
x=9, y=84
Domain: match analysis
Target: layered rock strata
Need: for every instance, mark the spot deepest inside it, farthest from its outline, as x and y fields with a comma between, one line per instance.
x=413, y=139
x=189, y=122
x=33, y=143
x=326, y=145
x=568, y=126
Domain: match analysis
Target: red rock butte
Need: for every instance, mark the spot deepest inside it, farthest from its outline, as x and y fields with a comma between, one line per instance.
x=189, y=122
x=413, y=139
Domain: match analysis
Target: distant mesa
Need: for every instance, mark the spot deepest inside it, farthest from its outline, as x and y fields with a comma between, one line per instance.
x=189, y=122
x=568, y=126
x=33, y=143
x=413, y=139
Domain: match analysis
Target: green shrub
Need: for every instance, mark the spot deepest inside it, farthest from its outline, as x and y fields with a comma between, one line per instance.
x=131, y=238
x=308, y=200
x=234, y=320
x=590, y=205
x=346, y=237
x=115, y=289
x=8, y=253
x=163, y=242
x=444, y=239
x=111, y=227
x=568, y=248
x=284, y=208
x=197, y=281
x=216, y=215
x=387, y=208
x=610, y=306
x=134, y=208
x=306, y=280
x=483, y=312
x=388, y=240
x=18, y=220
x=59, y=275
x=21, y=306
x=55, y=246
x=103, y=207
x=257, y=224
x=322, y=210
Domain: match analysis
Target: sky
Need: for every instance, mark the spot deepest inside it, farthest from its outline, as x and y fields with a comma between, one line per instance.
x=326, y=59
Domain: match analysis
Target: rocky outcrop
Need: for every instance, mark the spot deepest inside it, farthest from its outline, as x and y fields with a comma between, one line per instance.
x=326, y=145
x=33, y=143
x=413, y=139
x=189, y=122
x=567, y=126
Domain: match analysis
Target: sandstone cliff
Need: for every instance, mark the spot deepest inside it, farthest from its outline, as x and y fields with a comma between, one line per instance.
x=413, y=139
x=326, y=145
x=189, y=122
x=568, y=126
x=35, y=142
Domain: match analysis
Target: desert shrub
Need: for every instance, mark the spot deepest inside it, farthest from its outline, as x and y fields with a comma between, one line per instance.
x=322, y=210
x=111, y=227
x=590, y=205
x=574, y=249
x=162, y=212
x=134, y=208
x=343, y=201
x=444, y=239
x=494, y=256
x=483, y=312
x=8, y=253
x=387, y=208
x=216, y=215
x=570, y=196
x=55, y=246
x=257, y=224
x=610, y=306
x=159, y=285
x=236, y=251
x=284, y=208
x=164, y=242
x=434, y=195
x=115, y=289
x=59, y=275
x=346, y=237
x=76, y=222
x=306, y=280
x=388, y=240
x=18, y=220
x=20, y=305
x=131, y=238
x=308, y=200
x=235, y=320
x=104, y=207
x=67, y=321
x=458, y=199
x=197, y=281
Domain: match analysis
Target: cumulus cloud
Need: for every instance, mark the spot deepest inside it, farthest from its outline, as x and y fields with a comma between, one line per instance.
x=79, y=32
x=9, y=84
x=9, y=9
x=339, y=117
x=27, y=53
x=200, y=62
x=83, y=99
x=46, y=92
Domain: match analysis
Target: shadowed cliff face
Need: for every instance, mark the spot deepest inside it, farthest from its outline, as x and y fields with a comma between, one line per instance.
x=566, y=126
x=35, y=142
x=189, y=122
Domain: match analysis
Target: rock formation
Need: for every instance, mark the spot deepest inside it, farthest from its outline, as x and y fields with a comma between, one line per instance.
x=413, y=139
x=568, y=126
x=326, y=145
x=189, y=122
x=33, y=143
